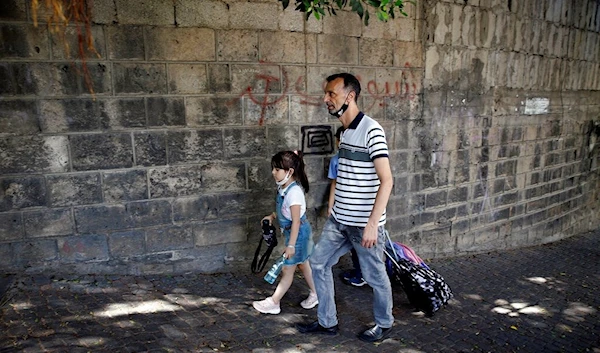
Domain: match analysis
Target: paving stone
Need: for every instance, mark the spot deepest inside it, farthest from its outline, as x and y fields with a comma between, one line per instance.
x=556, y=282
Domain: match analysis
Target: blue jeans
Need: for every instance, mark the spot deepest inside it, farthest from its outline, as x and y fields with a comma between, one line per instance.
x=336, y=240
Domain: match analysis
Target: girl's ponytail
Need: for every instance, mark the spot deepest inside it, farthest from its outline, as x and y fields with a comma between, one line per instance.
x=300, y=172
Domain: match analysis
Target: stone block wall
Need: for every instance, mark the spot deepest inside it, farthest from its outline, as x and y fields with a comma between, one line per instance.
x=491, y=109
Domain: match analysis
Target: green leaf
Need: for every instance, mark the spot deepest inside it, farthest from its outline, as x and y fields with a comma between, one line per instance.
x=384, y=9
x=359, y=9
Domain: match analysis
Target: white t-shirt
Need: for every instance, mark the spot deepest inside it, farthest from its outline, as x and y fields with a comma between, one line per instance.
x=294, y=197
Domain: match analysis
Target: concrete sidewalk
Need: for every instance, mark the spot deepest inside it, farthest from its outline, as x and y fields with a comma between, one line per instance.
x=538, y=299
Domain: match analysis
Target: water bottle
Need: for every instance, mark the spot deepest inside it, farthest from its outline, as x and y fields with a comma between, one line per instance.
x=271, y=276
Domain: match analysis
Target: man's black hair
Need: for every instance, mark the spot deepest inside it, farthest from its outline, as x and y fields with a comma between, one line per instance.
x=350, y=83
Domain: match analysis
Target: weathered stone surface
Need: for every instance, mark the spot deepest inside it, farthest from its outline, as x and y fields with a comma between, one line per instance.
x=196, y=208
x=101, y=151
x=194, y=146
x=150, y=148
x=259, y=175
x=253, y=80
x=230, y=176
x=101, y=218
x=8, y=85
x=140, y=78
x=35, y=252
x=206, y=258
x=169, y=238
x=175, y=181
x=66, y=45
x=166, y=111
x=13, y=10
x=48, y=222
x=337, y=49
x=17, y=193
x=408, y=54
x=402, y=107
x=150, y=213
x=24, y=41
x=407, y=29
x=123, y=186
x=72, y=115
x=284, y=138
x=309, y=109
x=219, y=80
x=73, y=189
x=381, y=30
x=33, y=154
x=315, y=170
x=292, y=20
x=263, y=15
x=237, y=45
x=126, y=113
x=344, y=23
x=244, y=143
x=376, y=52
x=127, y=244
x=207, y=13
x=19, y=117
x=245, y=203
x=400, y=162
x=126, y=42
x=144, y=12
x=187, y=78
x=11, y=226
x=180, y=44
x=282, y=47
x=261, y=109
x=92, y=247
x=201, y=111
x=53, y=79
x=230, y=231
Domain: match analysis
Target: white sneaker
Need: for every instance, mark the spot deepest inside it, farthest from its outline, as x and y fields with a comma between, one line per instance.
x=267, y=306
x=310, y=302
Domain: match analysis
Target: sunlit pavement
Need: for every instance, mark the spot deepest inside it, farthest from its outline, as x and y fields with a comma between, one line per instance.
x=538, y=299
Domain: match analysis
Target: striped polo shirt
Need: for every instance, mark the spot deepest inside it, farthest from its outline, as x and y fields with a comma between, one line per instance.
x=357, y=182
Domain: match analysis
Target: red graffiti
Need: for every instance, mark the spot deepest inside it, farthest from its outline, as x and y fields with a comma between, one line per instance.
x=406, y=88
x=265, y=103
x=306, y=99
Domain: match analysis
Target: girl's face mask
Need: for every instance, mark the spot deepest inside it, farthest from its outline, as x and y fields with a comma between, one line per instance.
x=285, y=179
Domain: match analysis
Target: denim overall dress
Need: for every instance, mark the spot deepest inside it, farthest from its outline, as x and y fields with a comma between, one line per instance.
x=304, y=242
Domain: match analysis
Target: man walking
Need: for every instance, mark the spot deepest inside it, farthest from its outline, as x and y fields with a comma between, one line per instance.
x=363, y=186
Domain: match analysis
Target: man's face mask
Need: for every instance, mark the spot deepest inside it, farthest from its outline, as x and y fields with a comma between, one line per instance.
x=338, y=113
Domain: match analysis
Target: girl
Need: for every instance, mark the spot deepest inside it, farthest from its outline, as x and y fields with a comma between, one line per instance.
x=288, y=172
